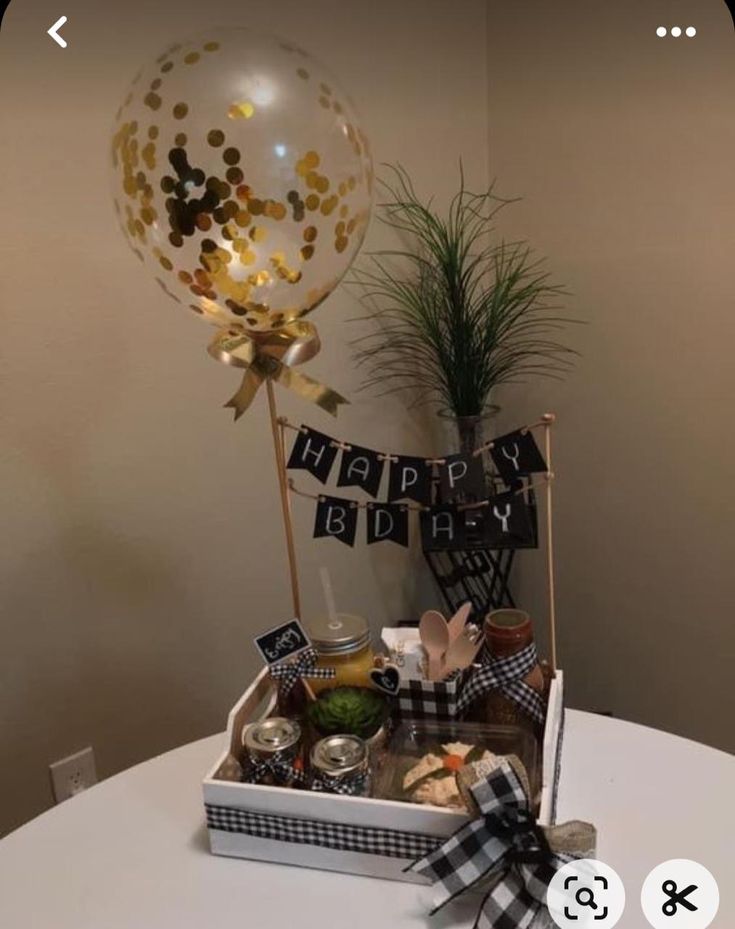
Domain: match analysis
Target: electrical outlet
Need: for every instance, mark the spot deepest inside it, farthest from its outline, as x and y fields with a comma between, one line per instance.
x=72, y=775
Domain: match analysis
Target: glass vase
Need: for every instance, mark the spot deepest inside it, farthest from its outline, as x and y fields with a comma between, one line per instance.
x=466, y=433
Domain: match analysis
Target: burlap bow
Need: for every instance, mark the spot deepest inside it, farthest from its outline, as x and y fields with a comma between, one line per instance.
x=504, y=844
x=266, y=355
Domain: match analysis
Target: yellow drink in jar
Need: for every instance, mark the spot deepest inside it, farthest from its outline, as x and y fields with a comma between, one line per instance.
x=342, y=644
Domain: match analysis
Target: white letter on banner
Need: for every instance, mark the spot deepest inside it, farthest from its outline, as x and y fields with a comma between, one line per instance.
x=504, y=517
x=450, y=472
x=308, y=450
x=513, y=458
x=337, y=519
x=448, y=528
x=363, y=471
x=404, y=483
x=378, y=533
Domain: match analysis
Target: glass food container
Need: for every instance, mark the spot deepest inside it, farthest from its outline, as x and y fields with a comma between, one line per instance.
x=507, y=632
x=344, y=645
x=272, y=751
x=423, y=759
x=340, y=764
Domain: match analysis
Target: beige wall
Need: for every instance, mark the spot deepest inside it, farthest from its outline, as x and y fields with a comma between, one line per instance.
x=142, y=547
x=622, y=145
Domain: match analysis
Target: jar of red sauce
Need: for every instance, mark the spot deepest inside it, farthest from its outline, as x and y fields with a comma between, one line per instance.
x=507, y=632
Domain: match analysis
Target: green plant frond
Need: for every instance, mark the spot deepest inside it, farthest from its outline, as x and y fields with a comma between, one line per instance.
x=454, y=312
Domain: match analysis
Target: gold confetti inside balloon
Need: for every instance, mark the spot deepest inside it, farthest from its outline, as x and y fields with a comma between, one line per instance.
x=242, y=178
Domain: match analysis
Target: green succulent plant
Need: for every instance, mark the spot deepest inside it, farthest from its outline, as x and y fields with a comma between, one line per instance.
x=350, y=710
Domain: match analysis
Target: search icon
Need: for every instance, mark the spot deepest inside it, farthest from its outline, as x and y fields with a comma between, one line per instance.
x=589, y=900
x=586, y=894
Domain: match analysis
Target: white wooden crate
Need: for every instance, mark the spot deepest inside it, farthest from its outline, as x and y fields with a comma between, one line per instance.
x=257, y=702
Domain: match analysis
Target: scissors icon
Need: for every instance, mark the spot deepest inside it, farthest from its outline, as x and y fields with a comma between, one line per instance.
x=676, y=898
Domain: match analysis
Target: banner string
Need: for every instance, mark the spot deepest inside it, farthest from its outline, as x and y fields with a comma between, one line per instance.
x=418, y=508
x=383, y=456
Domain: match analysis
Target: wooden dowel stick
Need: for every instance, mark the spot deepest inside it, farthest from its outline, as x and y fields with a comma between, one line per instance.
x=285, y=507
x=287, y=486
x=282, y=436
x=548, y=419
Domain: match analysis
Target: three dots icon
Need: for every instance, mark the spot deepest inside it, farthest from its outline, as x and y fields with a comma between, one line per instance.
x=676, y=31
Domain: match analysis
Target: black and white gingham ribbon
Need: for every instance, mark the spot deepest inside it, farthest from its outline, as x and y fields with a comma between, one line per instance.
x=287, y=673
x=277, y=766
x=506, y=675
x=354, y=786
x=368, y=840
x=420, y=699
x=504, y=840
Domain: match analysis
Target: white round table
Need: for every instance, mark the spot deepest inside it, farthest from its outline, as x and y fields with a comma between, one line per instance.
x=132, y=852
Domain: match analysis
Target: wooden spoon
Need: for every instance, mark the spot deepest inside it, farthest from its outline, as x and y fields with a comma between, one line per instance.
x=459, y=621
x=461, y=653
x=434, y=634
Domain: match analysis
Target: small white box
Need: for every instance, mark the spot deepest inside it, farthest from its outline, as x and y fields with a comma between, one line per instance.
x=358, y=835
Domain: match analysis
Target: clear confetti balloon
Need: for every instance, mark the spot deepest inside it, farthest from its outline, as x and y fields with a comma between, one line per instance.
x=242, y=177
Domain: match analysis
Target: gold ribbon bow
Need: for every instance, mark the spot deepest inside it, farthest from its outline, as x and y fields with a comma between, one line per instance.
x=266, y=355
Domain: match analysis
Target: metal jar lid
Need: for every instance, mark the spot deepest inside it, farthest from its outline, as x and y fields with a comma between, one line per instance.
x=340, y=755
x=269, y=736
x=350, y=634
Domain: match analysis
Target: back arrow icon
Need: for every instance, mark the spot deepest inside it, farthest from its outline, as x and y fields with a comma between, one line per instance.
x=54, y=31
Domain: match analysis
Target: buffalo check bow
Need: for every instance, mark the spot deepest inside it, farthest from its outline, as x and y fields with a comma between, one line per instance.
x=287, y=673
x=278, y=767
x=506, y=675
x=503, y=843
x=354, y=786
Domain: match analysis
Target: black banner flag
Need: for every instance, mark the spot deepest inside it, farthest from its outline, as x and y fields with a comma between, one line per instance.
x=337, y=518
x=462, y=474
x=360, y=467
x=313, y=452
x=410, y=479
x=516, y=454
x=507, y=522
x=387, y=522
x=442, y=527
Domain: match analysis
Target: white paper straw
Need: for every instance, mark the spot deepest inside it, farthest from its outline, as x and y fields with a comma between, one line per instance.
x=334, y=621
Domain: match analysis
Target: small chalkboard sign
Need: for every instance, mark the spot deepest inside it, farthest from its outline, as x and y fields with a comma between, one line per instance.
x=284, y=641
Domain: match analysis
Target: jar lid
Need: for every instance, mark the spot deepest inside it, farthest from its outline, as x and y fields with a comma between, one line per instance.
x=339, y=755
x=510, y=619
x=271, y=735
x=507, y=631
x=349, y=634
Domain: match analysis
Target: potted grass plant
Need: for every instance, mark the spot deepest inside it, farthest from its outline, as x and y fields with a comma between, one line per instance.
x=454, y=312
